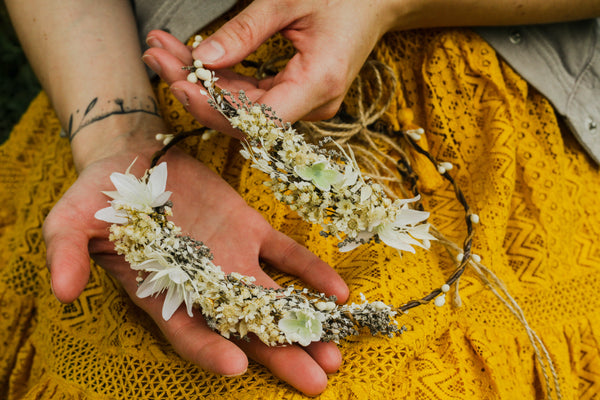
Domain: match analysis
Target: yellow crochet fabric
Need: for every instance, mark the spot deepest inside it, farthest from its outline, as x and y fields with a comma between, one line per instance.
x=534, y=188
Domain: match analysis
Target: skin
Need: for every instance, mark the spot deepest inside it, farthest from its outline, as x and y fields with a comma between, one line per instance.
x=87, y=57
x=85, y=50
x=333, y=39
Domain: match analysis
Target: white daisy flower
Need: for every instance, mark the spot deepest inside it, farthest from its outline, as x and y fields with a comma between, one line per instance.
x=165, y=277
x=402, y=233
x=134, y=193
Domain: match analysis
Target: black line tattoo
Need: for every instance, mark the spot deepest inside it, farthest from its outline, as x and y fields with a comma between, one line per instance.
x=117, y=106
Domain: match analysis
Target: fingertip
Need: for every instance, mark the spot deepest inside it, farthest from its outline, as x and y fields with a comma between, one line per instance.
x=68, y=261
x=152, y=63
x=153, y=41
x=209, y=51
x=315, y=383
x=327, y=355
x=195, y=342
x=340, y=290
x=306, y=375
x=224, y=358
x=160, y=40
x=68, y=281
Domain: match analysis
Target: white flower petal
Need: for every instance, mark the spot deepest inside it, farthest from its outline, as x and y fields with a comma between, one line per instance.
x=365, y=193
x=172, y=302
x=111, y=215
x=127, y=185
x=408, y=216
x=392, y=238
x=301, y=326
x=157, y=183
x=149, y=286
x=148, y=265
x=422, y=232
x=178, y=276
x=348, y=246
x=161, y=199
x=303, y=172
x=187, y=298
x=401, y=202
x=112, y=194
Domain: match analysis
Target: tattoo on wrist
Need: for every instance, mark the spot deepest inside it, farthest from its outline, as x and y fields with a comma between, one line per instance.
x=94, y=112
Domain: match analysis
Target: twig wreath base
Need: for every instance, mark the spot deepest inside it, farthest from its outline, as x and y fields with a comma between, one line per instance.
x=324, y=187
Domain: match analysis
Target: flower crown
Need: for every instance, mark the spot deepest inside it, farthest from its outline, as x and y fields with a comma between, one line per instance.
x=323, y=186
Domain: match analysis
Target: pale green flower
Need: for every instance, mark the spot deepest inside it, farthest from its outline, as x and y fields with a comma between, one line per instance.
x=318, y=173
x=301, y=326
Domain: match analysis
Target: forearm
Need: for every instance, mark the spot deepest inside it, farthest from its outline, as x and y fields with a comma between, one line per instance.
x=442, y=13
x=87, y=57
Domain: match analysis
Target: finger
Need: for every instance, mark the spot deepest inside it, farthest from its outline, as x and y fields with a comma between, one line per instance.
x=290, y=364
x=327, y=355
x=243, y=34
x=196, y=103
x=234, y=82
x=195, y=341
x=292, y=258
x=165, y=64
x=163, y=40
x=304, y=87
x=191, y=338
x=68, y=260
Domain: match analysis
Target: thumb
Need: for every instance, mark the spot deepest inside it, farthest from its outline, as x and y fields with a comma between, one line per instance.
x=242, y=35
x=69, y=262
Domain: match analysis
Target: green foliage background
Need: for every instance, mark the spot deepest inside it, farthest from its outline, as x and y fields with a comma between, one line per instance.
x=18, y=84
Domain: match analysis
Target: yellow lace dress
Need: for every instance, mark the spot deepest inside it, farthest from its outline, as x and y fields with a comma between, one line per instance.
x=534, y=188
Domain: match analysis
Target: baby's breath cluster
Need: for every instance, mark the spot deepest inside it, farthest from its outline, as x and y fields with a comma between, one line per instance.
x=323, y=186
x=232, y=304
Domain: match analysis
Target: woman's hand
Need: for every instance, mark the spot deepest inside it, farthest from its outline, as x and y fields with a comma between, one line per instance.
x=208, y=209
x=333, y=39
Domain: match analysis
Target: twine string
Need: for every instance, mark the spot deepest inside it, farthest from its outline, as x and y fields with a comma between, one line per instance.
x=361, y=138
x=361, y=135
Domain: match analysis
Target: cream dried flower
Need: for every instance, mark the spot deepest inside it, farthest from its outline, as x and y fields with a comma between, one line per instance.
x=319, y=184
x=182, y=269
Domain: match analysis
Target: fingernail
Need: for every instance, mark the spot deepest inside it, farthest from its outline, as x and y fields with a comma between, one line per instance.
x=154, y=42
x=180, y=95
x=234, y=375
x=152, y=63
x=209, y=51
x=52, y=289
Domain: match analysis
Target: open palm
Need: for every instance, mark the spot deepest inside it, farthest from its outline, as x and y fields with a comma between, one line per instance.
x=208, y=209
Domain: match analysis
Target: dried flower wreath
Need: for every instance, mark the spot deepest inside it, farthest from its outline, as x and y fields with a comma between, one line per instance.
x=324, y=186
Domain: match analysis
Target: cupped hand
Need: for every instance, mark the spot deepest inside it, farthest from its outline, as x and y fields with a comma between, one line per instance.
x=208, y=209
x=333, y=39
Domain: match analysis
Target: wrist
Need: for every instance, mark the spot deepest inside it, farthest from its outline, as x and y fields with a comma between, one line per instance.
x=117, y=135
x=408, y=14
